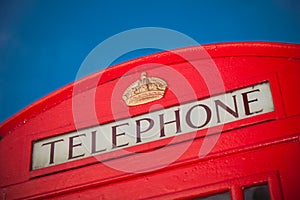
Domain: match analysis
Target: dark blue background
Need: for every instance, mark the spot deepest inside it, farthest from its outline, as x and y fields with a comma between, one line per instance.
x=43, y=43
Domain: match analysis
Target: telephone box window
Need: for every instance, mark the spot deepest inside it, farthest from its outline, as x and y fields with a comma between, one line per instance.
x=223, y=196
x=258, y=192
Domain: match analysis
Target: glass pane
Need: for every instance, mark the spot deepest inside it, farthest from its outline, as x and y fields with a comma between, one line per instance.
x=259, y=192
x=221, y=196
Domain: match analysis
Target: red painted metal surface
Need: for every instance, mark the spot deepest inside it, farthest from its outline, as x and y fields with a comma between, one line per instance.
x=260, y=149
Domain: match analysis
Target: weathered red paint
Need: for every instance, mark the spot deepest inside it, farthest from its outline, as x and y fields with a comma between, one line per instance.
x=261, y=149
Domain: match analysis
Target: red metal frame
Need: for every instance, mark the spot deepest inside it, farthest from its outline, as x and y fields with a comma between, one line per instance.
x=250, y=151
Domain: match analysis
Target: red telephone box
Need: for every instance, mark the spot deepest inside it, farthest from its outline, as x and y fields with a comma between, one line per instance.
x=172, y=125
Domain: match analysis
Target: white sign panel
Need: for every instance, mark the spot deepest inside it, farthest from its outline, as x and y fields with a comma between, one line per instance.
x=181, y=119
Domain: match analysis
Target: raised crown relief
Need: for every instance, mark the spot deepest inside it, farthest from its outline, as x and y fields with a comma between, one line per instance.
x=145, y=90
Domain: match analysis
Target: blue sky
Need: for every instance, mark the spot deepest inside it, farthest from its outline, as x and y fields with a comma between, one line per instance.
x=43, y=43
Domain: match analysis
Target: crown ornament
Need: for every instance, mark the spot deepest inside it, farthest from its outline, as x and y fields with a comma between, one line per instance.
x=145, y=90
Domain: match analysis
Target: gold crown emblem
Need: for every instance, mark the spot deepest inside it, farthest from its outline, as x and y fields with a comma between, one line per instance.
x=145, y=90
